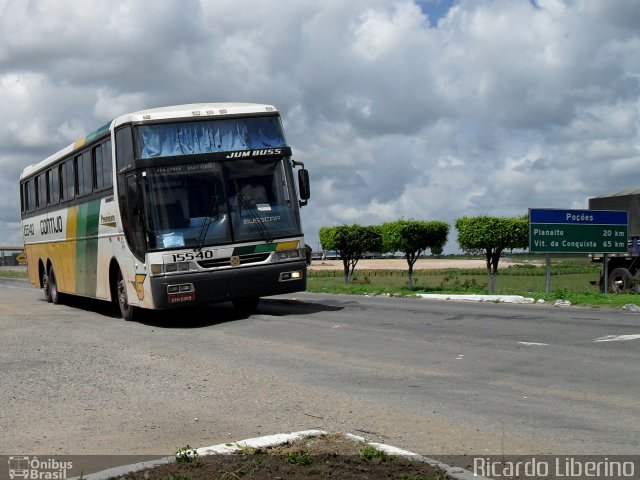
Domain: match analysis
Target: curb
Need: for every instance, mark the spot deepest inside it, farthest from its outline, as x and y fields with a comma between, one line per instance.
x=477, y=298
x=273, y=441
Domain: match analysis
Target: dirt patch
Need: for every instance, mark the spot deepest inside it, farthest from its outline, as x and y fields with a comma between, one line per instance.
x=330, y=456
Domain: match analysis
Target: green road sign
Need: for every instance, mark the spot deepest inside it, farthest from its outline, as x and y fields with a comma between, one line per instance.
x=577, y=231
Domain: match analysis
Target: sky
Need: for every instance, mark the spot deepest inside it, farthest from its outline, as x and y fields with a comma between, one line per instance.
x=427, y=110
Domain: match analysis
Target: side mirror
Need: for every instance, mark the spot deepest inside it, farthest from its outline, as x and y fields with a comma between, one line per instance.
x=303, y=182
x=303, y=185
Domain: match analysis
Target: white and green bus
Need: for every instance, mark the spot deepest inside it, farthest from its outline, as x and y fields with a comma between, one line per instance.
x=183, y=205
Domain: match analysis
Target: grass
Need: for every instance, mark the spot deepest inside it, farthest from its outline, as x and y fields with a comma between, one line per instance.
x=571, y=279
x=370, y=453
x=299, y=458
x=11, y=273
x=187, y=454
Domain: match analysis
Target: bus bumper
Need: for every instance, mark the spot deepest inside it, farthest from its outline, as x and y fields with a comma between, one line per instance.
x=202, y=288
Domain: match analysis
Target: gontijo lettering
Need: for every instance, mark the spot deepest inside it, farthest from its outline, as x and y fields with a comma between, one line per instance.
x=51, y=225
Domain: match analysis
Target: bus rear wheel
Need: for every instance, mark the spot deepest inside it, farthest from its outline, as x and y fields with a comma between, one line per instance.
x=128, y=312
x=46, y=285
x=51, y=289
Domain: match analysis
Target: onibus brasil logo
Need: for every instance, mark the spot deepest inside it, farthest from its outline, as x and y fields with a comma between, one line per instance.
x=32, y=468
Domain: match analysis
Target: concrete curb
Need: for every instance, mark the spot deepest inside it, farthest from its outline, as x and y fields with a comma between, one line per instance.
x=273, y=441
x=477, y=298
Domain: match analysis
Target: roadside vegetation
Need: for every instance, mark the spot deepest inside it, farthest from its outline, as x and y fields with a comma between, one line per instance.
x=13, y=272
x=413, y=238
x=327, y=456
x=573, y=278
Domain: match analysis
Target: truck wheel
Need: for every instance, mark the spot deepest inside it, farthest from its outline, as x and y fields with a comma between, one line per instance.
x=620, y=280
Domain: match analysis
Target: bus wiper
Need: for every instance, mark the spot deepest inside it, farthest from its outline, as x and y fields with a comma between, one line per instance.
x=204, y=228
x=257, y=221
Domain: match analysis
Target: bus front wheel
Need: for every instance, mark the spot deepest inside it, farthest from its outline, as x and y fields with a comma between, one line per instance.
x=128, y=311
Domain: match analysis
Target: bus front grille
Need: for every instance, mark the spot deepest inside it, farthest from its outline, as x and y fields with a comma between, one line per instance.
x=226, y=262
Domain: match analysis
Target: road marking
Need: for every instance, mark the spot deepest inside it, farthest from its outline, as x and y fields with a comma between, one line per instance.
x=533, y=343
x=617, y=338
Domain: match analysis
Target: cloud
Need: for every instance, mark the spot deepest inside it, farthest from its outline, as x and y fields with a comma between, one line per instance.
x=418, y=109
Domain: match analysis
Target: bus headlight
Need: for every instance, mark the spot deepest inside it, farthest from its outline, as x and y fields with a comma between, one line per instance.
x=158, y=268
x=283, y=255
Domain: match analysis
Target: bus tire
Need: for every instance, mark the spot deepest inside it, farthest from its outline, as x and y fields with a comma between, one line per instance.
x=246, y=306
x=52, y=286
x=620, y=280
x=46, y=286
x=127, y=311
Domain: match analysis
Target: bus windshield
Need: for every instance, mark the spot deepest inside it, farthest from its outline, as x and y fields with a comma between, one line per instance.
x=218, y=203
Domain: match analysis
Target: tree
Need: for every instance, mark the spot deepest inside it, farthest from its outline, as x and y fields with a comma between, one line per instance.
x=493, y=235
x=413, y=238
x=351, y=242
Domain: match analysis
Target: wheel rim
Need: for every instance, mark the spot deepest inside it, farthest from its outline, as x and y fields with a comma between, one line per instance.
x=122, y=295
x=617, y=284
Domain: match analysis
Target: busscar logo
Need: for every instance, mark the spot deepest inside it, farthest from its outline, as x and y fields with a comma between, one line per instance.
x=249, y=221
x=37, y=469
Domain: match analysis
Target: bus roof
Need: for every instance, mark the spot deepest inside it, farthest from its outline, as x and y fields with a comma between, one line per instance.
x=192, y=110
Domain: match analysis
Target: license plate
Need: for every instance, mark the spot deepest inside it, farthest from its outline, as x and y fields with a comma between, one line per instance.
x=182, y=297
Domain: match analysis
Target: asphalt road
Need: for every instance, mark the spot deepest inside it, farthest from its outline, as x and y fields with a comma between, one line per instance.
x=434, y=377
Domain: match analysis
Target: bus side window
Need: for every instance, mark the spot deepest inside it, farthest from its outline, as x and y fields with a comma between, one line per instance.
x=24, y=196
x=31, y=194
x=84, y=174
x=102, y=166
x=41, y=191
x=97, y=167
x=107, y=165
x=53, y=186
x=63, y=181
x=67, y=181
x=133, y=217
x=124, y=148
x=124, y=158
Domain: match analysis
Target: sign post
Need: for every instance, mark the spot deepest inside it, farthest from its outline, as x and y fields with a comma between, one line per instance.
x=577, y=231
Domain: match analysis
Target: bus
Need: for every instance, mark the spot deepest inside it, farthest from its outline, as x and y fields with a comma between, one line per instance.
x=162, y=208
